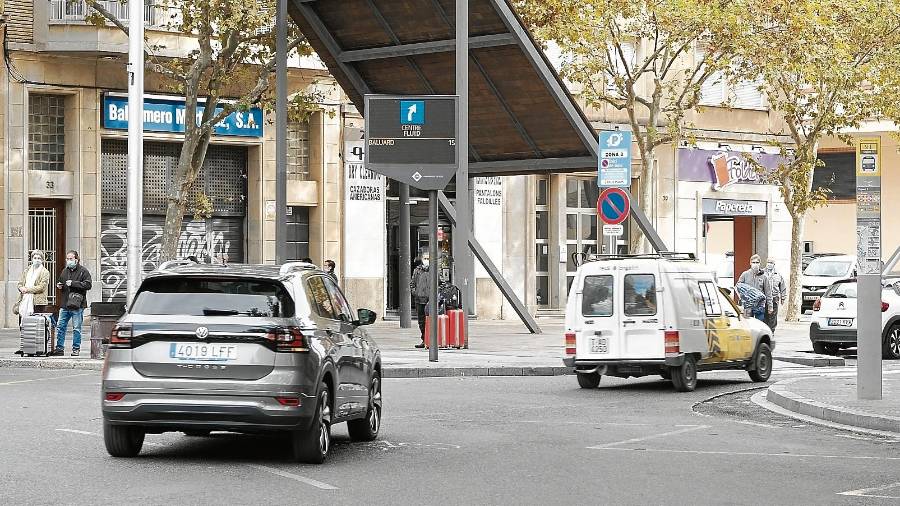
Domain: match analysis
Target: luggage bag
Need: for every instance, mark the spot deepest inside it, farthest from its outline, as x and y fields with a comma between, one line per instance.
x=37, y=334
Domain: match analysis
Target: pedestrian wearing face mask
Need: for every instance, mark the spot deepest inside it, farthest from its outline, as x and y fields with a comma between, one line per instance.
x=779, y=292
x=420, y=287
x=33, y=288
x=74, y=281
x=756, y=277
x=329, y=269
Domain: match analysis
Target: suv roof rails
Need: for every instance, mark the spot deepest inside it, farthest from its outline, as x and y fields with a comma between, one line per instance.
x=290, y=267
x=596, y=257
x=175, y=263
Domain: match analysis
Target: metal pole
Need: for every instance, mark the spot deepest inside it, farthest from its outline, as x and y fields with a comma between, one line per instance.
x=464, y=263
x=403, y=236
x=869, y=268
x=281, y=132
x=868, y=324
x=433, y=274
x=134, y=178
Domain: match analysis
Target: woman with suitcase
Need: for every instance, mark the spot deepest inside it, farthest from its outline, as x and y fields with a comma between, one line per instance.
x=32, y=289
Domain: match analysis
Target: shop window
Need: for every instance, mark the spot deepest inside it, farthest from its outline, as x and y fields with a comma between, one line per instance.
x=298, y=150
x=46, y=132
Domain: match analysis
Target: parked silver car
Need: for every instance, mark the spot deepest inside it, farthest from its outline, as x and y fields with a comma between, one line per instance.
x=243, y=348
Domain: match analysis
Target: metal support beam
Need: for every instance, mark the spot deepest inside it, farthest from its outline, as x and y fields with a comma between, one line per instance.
x=575, y=163
x=405, y=264
x=433, y=271
x=281, y=132
x=493, y=271
x=437, y=46
x=464, y=264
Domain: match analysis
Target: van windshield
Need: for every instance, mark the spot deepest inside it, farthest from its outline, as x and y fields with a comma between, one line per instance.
x=196, y=296
x=640, y=295
x=828, y=268
x=597, y=296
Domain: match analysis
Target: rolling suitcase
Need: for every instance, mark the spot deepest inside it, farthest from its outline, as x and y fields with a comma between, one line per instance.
x=37, y=334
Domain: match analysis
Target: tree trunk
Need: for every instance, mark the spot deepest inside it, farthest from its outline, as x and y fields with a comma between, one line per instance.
x=794, y=288
x=172, y=228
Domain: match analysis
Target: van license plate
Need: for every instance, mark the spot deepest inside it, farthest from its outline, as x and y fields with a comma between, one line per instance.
x=840, y=322
x=203, y=351
x=599, y=345
x=811, y=297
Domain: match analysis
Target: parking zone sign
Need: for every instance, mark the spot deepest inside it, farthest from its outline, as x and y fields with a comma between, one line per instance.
x=614, y=168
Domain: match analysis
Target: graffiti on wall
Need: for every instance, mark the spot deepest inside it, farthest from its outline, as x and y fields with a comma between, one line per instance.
x=199, y=238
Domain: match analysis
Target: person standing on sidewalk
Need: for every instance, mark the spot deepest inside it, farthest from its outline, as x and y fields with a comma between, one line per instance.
x=756, y=277
x=74, y=281
x=329, y=269
x=32, y=289
x=420, y=287
x=779, y=293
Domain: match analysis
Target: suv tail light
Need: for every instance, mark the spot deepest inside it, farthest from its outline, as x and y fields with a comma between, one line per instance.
x=288, y=339
x=570, y=343
x=817, y=305
x=673, y=342
x=121, y=336
x=884, y=306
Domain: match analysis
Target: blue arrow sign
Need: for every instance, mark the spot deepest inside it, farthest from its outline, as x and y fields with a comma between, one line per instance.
x=614, y=163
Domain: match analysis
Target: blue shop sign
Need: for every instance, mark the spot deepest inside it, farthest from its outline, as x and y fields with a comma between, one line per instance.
x=167, y=114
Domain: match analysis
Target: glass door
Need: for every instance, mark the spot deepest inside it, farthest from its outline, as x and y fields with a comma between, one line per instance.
x=581, y=221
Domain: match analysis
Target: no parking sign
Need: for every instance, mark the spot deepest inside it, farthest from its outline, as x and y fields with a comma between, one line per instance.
x=613, y=206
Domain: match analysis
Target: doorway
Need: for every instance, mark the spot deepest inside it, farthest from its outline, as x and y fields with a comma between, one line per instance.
x=46, y=232
x=728, y=244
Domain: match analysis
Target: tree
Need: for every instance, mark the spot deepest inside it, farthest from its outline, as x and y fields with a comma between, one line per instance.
x=647, y=58
x=234, y=55
x=826, y=66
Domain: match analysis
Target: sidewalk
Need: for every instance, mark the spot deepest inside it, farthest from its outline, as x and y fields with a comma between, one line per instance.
x=833, y=399
x=496, y=348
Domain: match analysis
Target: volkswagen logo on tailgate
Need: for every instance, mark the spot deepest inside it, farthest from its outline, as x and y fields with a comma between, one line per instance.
x=202, y=332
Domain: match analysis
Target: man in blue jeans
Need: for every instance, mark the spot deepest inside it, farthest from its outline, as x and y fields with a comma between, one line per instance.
x=74, y=281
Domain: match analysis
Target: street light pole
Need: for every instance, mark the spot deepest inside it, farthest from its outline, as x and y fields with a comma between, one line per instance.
x=281, y=132
x=134, y=177
x=464, y=266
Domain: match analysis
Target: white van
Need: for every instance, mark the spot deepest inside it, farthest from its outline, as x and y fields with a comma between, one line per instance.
x=639, y=315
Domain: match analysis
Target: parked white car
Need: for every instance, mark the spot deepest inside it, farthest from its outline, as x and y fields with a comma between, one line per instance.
x=833, y=325
x=821, y=273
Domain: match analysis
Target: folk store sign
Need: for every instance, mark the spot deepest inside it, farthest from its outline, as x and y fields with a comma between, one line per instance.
x=722, y=168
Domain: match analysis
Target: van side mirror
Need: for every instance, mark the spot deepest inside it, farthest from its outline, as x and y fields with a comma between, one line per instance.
x=365, y=316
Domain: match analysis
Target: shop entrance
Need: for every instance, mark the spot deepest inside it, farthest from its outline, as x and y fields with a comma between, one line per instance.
x=731, y=235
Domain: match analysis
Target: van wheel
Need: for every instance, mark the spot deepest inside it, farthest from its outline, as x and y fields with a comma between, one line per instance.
x=591, y=380
x=762, y=363
x=891, y=349
x=122, y=440
x=311, y=446
x=684, y=377
x=666, y=374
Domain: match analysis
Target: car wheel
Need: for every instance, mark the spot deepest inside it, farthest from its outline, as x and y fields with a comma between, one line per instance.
x=762, y=363
x=366, y=429
x=311, y=446
x=591, y=380
x=820, y=348
x=891, y=349
x=684, y=377
x=122, y=440
x=196, y=433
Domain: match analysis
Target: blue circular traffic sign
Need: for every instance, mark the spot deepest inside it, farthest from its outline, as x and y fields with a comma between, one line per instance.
x=613, y=206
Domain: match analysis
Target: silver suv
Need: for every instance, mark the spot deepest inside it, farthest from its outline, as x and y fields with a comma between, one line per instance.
x=242, y=348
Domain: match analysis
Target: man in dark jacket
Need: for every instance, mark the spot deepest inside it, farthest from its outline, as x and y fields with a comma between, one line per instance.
x=74, y=281
x=420, y=287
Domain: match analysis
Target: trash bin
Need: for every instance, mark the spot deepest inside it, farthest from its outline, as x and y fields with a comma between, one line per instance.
x=104, y=316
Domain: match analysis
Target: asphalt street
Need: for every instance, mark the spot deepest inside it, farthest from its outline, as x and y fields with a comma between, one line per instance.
x=470, y=440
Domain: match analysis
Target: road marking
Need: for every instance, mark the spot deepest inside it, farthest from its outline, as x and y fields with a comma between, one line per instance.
x=296, y=477
x=45, y=379
x=687, y=428
x=749, y=454
x=866, y=492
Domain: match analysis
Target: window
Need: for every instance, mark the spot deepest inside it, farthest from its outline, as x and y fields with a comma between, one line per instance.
x=196, y=296
x=710, y=296
x=320, y=299
x=597, y=296
x=840, y=291
x=338, y=301
x=718, y=91
x=298, y=150
x=542, y=242
x=46, y=132
x=640, y=295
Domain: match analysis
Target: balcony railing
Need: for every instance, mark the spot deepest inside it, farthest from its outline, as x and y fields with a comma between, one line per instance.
x=67, y=11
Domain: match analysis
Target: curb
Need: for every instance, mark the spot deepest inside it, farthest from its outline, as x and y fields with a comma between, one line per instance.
x=811, y=360
x=388, y=371
x=780, y=395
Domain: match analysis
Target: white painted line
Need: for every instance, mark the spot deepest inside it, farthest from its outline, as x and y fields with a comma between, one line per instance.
x=51, y=378
x=867, y=492
x=749, y=454
x=652, y=436
x=296, y=477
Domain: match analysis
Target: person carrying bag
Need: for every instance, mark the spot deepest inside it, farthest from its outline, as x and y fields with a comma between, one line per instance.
x=74, y=281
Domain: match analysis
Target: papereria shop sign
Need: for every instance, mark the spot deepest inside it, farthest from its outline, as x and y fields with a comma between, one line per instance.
x=722, y=168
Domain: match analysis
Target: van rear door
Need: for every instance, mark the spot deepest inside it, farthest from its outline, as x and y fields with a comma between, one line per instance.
x=641, y=322
x=599, y=336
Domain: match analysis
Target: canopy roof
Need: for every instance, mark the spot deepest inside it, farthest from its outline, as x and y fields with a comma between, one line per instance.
x=521, y=117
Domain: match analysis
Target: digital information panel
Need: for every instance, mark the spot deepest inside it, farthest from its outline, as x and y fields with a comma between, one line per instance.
x=412, y=139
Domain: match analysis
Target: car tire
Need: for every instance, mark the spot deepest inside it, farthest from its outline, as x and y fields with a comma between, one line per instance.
x=122, y=441
x=820, y=348
x=196, y=433
x=762, y=364
x=366, y=429
x=588, y=381
x=311, y=446
x=684, y=377
x=891, y=348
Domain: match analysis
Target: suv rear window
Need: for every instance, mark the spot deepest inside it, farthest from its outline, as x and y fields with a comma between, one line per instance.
x=597, y=296
x=196, y=296
x=841, y=291
x=640, y=295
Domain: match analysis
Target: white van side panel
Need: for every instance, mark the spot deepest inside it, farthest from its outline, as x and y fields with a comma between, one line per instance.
x=687, y=314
